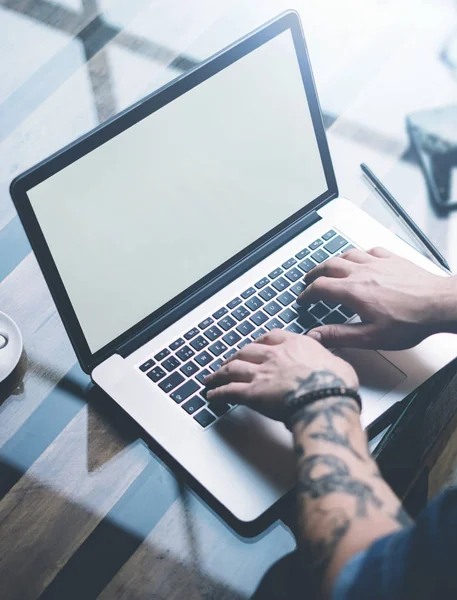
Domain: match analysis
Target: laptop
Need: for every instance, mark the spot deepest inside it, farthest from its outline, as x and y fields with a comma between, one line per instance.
x=181, y=230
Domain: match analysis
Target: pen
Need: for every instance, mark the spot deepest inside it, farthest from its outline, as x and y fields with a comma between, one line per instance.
x=400, y=212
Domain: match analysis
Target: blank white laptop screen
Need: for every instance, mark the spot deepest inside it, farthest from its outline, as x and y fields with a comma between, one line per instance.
x=147, y=214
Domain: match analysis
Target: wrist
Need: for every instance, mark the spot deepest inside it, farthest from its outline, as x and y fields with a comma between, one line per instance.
x=333, y=405
x=442, y=312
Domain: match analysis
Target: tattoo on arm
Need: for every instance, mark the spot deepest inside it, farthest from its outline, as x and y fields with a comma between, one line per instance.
x=318, y=551
x=321, y=475
x=334, y=408
x=336, y=478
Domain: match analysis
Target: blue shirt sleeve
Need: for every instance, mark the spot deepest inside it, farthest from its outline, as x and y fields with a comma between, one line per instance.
x=416, y=563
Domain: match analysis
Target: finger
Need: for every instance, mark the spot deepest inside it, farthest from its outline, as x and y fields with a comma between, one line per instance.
x=355, y=335
x=324, y=288
x=357, y=256
x=273, y=338
x=251, y=353
x=333, y=267
x=236, y=391
x=380, y=253
x=236, y=370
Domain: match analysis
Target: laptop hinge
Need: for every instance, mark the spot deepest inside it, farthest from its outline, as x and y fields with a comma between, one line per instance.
x=216, y=284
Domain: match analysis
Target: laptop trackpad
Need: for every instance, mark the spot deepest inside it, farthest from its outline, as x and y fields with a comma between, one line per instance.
x=377, y=375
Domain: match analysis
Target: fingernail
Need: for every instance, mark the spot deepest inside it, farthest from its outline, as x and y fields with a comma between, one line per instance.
x=315, y=335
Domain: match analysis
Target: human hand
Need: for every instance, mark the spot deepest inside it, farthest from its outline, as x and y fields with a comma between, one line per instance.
x=263, y=375
x=399, y=303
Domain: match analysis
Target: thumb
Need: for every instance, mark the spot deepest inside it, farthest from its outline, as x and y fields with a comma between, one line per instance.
x=354, y=335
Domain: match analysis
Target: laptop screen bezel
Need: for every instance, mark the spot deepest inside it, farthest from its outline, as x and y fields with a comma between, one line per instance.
x=172, y=310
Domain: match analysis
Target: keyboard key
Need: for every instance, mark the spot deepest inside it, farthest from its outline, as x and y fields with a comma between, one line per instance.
x=204, y=418
x=162, y=354
x=244, y=343
x=336, y=244
x=192, y=333
x=185, y=353
x=294, y=328
x=199, y=343
x=216, y=365
x=262, y=283
x=285, y=298
x=298, y=288
x=186, y=390
x=319, y=256
x=276, y=273
x=240, y=313
x=230, y=353
x=258, y=333
x=259, y=318
x=176, y=344
x=171, y=382
x=171, y=363
x=334, y=318
x=213, y=333
x=217, y=348
x=192, y=405
x=294, y=275
x=307, y=320
x=331, y=304
x=287, y=315
x=306, y=265
x=156, y=374
x=319, y=310
x=147, y=365
x=254, y=303
x=226, y=323
x=272, y=308
x=329, y=235
x=274, y=324
x=203, y=358
x=280, y=284
x=203, y=393
x=189, y=369
x=201, y=376
x=315, y=244
x=289, y=263
x=220, y=313
x=231, y=338
x=206, y=323
x=347, y=248
x=233, y=303
x=219, y=408
x=302, y=253
x=267, y=294
x=347, y=311
x=245, y=328
x=248, y=293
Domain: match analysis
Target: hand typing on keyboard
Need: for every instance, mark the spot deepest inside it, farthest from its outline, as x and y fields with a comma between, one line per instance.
x=263, y=374
x=399, y=303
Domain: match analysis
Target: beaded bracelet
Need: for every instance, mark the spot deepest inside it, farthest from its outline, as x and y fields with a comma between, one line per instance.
x=295, y=404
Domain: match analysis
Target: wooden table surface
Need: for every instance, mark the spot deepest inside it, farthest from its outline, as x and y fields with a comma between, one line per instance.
x=89, y=507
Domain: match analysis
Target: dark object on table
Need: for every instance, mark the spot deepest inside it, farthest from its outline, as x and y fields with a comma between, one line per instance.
x=433, y=136
x=403, y=215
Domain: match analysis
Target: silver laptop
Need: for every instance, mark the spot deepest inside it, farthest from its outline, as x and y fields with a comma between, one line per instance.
x=182, y=229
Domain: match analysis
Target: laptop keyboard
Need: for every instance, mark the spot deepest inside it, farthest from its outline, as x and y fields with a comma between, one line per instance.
x=270, y=303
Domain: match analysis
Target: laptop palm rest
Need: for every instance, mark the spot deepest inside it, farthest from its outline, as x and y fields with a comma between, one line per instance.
x=377, y=375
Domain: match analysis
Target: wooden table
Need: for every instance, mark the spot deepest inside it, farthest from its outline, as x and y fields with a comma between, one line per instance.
x=89, y=506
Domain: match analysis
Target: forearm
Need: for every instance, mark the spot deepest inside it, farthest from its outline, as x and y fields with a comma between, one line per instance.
x=344, y=504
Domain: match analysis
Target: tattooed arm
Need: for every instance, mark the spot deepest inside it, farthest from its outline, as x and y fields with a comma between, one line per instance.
x=344, y=504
